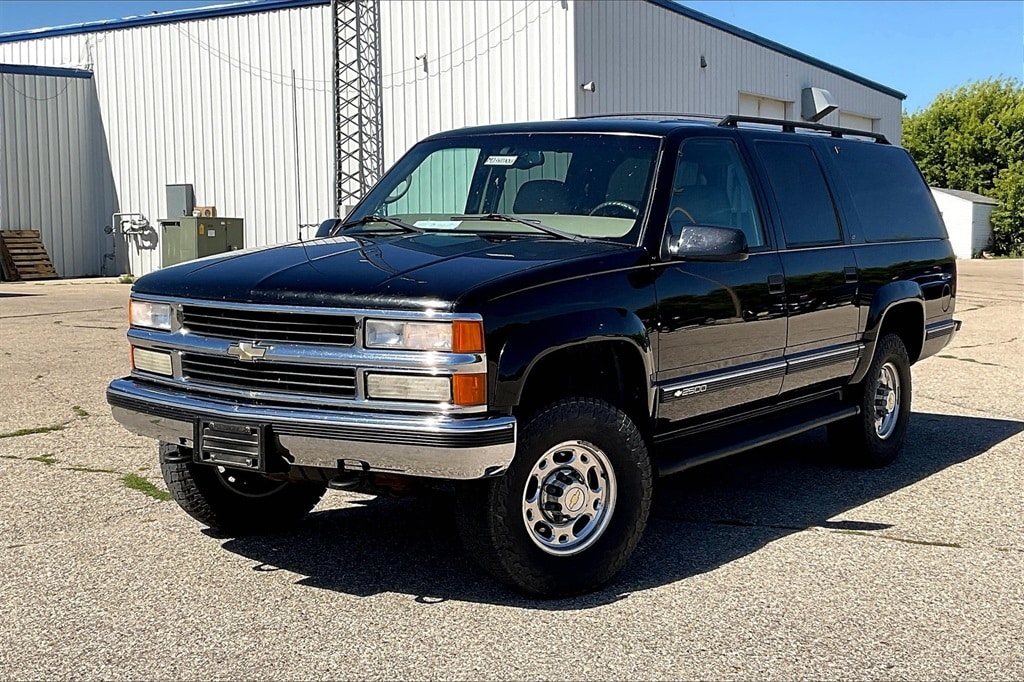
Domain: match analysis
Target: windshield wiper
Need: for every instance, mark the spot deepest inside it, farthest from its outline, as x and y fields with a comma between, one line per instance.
x=535, y=224
x=365, y=220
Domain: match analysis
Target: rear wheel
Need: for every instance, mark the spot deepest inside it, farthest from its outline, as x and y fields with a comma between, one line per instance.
x=231, y=500
x=874, y=438
x=570, y=510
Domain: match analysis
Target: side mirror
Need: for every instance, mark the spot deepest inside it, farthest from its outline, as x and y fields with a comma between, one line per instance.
x=703, y=242
x=326, y=227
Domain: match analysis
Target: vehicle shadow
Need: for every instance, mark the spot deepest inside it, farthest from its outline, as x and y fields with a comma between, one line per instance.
x=411, y=546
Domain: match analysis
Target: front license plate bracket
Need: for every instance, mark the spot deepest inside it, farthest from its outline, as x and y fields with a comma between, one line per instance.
x=240, y=446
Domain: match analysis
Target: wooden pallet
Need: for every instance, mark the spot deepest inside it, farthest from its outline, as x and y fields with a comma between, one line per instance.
x=23, y=256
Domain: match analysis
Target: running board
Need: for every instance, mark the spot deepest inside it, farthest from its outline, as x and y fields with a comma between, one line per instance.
x=769, y=429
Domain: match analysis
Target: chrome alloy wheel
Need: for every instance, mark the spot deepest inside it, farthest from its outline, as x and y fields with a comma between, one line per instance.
x=569, y=498
x=887, y=400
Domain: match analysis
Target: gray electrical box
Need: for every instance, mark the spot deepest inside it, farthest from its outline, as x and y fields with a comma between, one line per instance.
x=183, y=239
x=181, y=199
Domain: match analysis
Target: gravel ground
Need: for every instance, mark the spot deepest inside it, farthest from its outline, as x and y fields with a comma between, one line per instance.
x=772, y=565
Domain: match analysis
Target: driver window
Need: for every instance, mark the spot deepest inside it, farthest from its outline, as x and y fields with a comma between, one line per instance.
x=711, y=187
x=439, y=185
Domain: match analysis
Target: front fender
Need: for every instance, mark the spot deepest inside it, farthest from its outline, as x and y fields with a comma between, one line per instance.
x=530, y=343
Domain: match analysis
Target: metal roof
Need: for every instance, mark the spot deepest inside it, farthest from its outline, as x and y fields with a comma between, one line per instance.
x=968, y=196
x=58, y=71
x=269, y=5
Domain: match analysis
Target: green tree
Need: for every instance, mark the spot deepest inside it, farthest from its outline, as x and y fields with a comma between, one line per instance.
x=972, y=138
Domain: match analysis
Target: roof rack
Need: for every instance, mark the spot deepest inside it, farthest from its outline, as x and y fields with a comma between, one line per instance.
x=637, y=114
x=791, y=126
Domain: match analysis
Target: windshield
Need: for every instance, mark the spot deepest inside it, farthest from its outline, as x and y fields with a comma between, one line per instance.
x=584, y=185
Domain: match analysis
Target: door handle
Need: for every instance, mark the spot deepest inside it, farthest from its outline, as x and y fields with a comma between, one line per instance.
x=776, y=284
x=851, y=274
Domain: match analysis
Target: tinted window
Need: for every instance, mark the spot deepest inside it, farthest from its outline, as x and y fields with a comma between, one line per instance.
x=438, y=185
x=593, y=185
x=553, y=167
x=889, y=196
x=711, y=187
x=805, y=205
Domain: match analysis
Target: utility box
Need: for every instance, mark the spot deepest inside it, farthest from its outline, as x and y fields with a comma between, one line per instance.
x=188, y=238
x=181, y=199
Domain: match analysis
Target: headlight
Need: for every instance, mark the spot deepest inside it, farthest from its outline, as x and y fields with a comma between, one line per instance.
x=461, y=336
x=151, y=315
x=406, y=387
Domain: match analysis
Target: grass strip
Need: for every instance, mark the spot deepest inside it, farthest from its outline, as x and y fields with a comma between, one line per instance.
x=136, y=482
x=34, y=429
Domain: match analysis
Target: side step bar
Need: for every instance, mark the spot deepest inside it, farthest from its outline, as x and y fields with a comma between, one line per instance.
x=706, y=448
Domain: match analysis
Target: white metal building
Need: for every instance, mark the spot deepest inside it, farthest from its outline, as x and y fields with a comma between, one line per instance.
x=968, y=218
x=208, y=97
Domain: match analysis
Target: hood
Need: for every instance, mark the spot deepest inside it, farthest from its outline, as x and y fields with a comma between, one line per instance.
x=406, y=271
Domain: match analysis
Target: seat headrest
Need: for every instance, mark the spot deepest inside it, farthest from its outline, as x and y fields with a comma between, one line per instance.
x=541, y=196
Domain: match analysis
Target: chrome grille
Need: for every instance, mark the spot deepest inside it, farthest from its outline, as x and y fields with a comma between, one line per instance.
x=269, y=326
x=276, y=377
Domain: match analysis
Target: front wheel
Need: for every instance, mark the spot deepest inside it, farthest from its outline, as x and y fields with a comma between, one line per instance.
x=570, y=510
x=231, y=500
x=875, y=437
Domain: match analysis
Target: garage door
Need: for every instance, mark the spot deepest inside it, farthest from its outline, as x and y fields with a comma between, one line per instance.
x=856, y=121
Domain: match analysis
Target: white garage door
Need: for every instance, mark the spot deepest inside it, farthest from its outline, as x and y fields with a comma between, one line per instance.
x=765, y=107
x=856, y=121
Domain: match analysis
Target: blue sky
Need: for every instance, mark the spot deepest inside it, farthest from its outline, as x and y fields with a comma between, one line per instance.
x=920, y=48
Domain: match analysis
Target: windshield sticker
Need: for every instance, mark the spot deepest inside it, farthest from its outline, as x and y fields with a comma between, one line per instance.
x=438, y=224
x=501, y=160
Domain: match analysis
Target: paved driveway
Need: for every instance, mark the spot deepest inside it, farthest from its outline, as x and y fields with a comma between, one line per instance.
x=775, y=564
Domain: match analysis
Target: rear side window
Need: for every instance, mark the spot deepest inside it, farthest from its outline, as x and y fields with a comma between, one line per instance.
x=889, y=196
x=805, y=204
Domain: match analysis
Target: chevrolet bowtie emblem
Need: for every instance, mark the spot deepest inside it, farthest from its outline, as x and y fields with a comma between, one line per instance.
x=247, y=352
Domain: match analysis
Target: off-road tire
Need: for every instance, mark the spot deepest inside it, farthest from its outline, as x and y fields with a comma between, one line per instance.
x=490, y=513
x=206, y=494
x=855, y=439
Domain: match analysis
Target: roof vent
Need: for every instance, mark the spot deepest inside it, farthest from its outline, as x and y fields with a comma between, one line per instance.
x=817, y=104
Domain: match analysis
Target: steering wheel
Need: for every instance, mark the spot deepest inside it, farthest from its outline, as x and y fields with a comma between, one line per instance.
x=617, y=204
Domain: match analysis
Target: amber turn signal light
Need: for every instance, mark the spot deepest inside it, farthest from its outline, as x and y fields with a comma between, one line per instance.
x=468, y=336
x=469, y=389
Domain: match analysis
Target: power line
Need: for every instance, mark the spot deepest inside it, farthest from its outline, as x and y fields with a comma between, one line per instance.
x=33, y=98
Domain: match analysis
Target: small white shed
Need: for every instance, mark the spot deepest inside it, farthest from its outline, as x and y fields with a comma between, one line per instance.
x=968, y=218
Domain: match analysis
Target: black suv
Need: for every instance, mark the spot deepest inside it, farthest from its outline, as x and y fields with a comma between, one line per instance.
x=540, y=318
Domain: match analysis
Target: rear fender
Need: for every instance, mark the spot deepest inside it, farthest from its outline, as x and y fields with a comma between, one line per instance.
x=884, y=300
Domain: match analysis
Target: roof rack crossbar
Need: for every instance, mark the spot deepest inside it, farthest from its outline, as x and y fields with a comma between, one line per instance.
x=733, y=121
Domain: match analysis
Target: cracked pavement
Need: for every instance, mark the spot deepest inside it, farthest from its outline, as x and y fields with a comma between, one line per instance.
x=776, y=564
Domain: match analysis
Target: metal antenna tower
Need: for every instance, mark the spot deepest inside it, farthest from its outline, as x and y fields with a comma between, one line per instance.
x=358, y=124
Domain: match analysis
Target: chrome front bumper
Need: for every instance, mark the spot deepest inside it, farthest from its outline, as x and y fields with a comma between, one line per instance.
x=429, y=446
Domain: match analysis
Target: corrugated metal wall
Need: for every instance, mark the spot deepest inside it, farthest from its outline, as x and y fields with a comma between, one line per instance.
x=209, y=102
x=643, y=57
x=486, y=62
x=55, y=176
